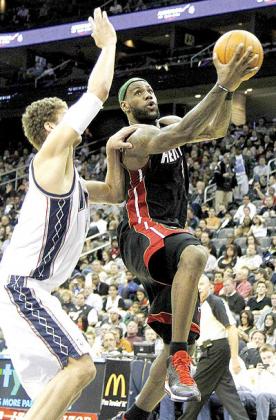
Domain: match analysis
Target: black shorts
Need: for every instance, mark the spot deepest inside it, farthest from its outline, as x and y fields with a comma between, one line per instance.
x=157, y=274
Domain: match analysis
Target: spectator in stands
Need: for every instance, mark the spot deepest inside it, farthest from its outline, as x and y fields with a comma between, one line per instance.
x=262, y=275
x=109, y=343
x=262, y=397
x=235, y=301
x=272, y=246
x=92, y=299
x=115, y=319
x=113, y=300
x=115, y=8
x=128, y=290
x=260, y=301
x=241, y=165
x=244, y=287
x=206, y=241
x=141, y=319
x=270, y=310
x=192, y=220
x=197, y=198
x=269, y=209
x=230, y=241
x=82, y=314
x=272, y=182
x=224, y=178
x=99, y=287
x=250, y=353
x=96, y=349
x=251, y=240
x=114, y=250
x=244, y=228
x=140, y=5
x=246, y=326
x=132, y=333
x=22, y=15
x=270, y=328
x=66, y=300
x=97, y=268
x=122, y=344
x=142, y=300
x=150, y=335
x=213, y=222
x=261, y=169
x=239, y=215
x=251, y=260
x=258, y=228
x=76, y=285
x=116, y=276
x=229, y=259
x=98, y=224
x=218, y=282
x=211, y=263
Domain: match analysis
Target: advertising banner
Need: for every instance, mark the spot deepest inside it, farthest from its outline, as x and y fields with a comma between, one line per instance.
x=169, y=14
x=14, y=401
x=116, y=386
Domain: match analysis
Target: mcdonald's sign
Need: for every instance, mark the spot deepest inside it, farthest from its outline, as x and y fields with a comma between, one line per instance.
x=117, y=381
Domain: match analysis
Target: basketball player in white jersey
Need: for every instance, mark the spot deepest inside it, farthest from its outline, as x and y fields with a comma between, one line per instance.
x=48, y=350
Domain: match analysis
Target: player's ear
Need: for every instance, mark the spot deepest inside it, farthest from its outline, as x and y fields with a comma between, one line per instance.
x=125, y=107
x=49, y=126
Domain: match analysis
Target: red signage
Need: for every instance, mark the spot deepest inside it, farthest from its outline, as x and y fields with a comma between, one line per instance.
x=10, y=414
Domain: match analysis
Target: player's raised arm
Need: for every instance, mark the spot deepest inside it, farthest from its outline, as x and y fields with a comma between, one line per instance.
x=66, y=129
x=152, y=140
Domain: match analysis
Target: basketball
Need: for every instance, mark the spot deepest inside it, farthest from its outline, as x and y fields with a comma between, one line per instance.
x=226, y=46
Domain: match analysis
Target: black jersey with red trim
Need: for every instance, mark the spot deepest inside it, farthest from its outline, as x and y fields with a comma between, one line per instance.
x=163, y=195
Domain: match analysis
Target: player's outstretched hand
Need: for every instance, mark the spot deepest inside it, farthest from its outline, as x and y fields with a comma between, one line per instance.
x=231, y=75
x=119, y=140
x=102, y=29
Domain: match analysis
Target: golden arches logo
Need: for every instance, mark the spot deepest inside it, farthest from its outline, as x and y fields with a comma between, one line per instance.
x=116, y=380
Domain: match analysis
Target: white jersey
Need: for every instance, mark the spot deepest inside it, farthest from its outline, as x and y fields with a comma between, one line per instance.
x=47, y=241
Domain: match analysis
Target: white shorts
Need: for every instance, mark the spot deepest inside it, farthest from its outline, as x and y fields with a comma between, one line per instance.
x=39, y=334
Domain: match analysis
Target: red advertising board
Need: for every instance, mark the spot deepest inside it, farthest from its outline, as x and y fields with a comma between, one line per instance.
x=11, y=414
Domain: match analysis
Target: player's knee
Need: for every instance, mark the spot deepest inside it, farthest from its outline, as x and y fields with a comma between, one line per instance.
x=84, y=370
x=194, y=257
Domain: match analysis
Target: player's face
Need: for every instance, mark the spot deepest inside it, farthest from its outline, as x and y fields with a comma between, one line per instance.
x=142, y=102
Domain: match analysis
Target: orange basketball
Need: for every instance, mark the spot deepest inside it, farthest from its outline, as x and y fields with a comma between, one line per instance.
x=226, y=46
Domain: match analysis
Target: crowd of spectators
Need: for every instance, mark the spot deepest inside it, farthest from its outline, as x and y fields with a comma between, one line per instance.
x=237, y=227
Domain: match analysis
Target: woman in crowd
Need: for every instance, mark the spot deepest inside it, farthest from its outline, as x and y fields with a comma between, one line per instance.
x=230, y=241
x=142, y=300
x=113, y=300
x=252, y=240
x=246, y=325
x=258, y=228
x=229, y=259
x=270, y=328
x=244, y=227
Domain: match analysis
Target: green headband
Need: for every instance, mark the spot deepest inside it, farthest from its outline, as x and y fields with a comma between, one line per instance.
x=124, y=87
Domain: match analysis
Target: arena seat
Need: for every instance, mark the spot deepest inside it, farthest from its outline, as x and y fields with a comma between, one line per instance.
x=225, y=233
x=241, y=242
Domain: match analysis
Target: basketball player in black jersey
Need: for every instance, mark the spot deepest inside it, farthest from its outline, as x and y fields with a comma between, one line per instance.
x=154, y=246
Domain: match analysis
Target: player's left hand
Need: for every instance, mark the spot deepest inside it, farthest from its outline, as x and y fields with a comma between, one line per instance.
x=119, y=140
x=103, y=31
